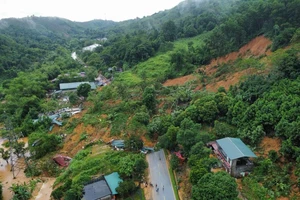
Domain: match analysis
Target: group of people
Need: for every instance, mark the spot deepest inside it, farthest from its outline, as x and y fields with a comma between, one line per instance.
x=157, y=188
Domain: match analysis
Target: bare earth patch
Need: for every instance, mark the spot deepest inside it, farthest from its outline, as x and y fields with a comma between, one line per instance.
x=268, y=144
x=180, y=81
x=256, y=47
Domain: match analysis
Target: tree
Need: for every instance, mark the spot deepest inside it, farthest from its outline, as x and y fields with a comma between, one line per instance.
x=133, y=143
x=187, y=135
x=21, y=191
x=149, y=99
x=132, y=165
x=126, y=188
x=19, y=148
x=73, y=98
x=169, y=140
x=5, y=154
x=207, y=109
x=289, y=64
x=218, y=186
x=84, y=89
x=200, y=150
x=169, y=31
x=42, y=143
x=196, y=174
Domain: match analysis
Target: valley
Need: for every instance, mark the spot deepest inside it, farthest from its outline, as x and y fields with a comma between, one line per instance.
x=201, y=98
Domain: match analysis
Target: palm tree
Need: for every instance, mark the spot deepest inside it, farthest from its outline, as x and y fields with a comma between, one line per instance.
x=21, y=191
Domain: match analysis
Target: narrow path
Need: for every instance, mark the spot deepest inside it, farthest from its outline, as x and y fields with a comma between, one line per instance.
x=46, y=189
x=159, y=175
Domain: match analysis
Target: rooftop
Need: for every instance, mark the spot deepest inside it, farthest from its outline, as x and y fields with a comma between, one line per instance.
x=235, y=148
x=96, y=190
x=74, y=85
x=113, y=181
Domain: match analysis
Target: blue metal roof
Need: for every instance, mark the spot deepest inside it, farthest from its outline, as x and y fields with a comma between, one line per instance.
x=235, y=148
x=113, y=181
x=74, y=85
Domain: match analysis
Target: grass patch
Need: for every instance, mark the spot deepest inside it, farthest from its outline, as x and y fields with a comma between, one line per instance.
x=128, y=78
x=154, y=67
x=173, y=180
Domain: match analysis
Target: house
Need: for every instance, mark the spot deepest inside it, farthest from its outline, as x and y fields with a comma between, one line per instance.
x=118, y=144
x=234, y=155
x=74, y=85
x=103, y=188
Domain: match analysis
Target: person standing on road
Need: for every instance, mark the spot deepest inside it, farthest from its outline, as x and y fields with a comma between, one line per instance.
x=163, y=188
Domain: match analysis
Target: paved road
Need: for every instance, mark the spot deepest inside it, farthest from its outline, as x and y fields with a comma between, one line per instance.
x=159, y=175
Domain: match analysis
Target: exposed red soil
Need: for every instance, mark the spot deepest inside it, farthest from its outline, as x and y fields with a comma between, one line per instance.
x=256, y=47
x=73, y=144
x=180, y=81
x=229, y=80
x=267, y=144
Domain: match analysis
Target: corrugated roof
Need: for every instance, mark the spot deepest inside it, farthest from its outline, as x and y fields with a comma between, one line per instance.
x=74, y=85
x=96, y=190
x=235, y=148
x=113, y=181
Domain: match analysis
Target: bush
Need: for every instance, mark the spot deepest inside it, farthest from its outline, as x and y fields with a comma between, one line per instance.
x=273, y=156
x=174, y=162
x=126, y=188
x=142, y=117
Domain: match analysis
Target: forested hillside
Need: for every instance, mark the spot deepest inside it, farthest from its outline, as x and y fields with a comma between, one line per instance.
x=138, y=56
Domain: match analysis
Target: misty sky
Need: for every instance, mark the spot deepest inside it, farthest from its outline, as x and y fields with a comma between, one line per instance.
x=84, y=10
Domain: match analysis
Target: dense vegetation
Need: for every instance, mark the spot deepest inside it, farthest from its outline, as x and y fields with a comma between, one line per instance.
x=139, y=55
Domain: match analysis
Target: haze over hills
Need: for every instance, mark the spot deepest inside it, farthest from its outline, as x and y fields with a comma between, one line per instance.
x=178, y=79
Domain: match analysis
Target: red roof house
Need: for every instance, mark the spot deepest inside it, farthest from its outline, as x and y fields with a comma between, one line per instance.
x=62, y=160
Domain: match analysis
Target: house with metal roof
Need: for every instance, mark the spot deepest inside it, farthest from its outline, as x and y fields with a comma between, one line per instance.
x=103, y=188
x=234, y=154
x=74, y=85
